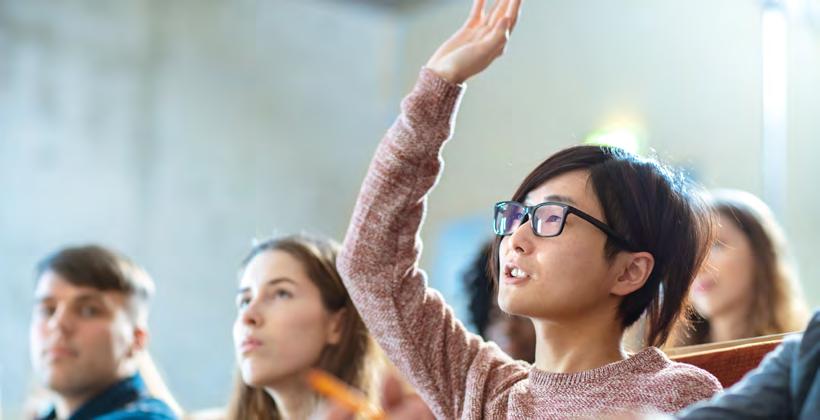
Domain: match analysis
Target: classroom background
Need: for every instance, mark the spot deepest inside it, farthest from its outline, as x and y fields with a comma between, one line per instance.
x=177, y=132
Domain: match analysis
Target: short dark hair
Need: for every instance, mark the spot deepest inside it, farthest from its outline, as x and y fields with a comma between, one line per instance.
x=102, y=269
x=651, y=206
x=478, y=282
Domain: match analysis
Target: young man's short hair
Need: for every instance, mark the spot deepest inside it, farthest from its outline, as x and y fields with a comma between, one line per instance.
x=103, y=269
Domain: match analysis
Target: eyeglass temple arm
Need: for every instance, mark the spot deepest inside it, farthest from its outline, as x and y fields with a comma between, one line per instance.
x=608, y=230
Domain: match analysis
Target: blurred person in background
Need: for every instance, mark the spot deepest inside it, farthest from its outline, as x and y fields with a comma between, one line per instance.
x=88, y=338
x=748, y=286
x=294, y=314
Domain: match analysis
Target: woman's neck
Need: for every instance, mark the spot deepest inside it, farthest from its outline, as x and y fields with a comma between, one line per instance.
x=568, y=346
x=294, y=399
x=730, y=325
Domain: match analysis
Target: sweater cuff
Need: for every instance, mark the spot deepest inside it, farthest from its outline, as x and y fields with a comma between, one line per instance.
x=428, y=118
x=448, y=94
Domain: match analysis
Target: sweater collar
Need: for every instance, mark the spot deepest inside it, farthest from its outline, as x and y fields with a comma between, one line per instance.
x=650, y=359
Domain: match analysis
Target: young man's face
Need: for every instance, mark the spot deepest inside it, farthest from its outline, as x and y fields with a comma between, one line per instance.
x=81, y=339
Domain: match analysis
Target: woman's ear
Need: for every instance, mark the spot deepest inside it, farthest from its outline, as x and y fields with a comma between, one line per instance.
x=637, y=267
x=336, y=325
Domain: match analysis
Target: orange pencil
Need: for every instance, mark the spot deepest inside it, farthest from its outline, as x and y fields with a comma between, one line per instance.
x=331, y=387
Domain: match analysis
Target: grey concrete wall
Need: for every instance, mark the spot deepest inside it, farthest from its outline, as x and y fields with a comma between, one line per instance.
x=177, y=132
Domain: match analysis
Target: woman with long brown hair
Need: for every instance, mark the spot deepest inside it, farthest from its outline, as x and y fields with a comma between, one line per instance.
x=294, y=314
x=748, y=286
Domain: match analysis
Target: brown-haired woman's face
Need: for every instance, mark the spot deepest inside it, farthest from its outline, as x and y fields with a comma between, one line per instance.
x=724, y=283
x=562, y=276
x=282, y=325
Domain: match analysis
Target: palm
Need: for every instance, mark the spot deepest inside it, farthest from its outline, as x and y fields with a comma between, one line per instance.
x=477, y=43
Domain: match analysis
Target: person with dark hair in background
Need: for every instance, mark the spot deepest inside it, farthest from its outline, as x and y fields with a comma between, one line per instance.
x=513, y=334
x=89, y=331
x=593, y=238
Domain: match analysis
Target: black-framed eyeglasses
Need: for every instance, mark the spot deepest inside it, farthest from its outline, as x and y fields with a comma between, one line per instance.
x=548, y=220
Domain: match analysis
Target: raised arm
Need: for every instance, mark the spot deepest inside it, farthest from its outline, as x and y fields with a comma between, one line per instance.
x=379, y=259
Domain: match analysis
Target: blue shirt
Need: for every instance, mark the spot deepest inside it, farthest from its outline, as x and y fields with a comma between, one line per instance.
x=786, y=385
x=125, y=400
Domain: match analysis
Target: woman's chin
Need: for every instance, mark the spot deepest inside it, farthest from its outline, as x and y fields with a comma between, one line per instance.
x=703, y=306
x=510, y=305
x=254, y=378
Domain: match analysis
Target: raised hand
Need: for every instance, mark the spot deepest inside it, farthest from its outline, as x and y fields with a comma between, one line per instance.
x=477, y=43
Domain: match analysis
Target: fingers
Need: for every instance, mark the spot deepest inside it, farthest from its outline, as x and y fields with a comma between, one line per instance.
x=501, y=30
x=477, y=12
x=337, y=412
x=496, y=41
x=412, y=408
x=498, y=11
x=493, y=8
x=513, y=11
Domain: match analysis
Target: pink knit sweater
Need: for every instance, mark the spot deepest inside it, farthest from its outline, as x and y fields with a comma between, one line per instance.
x=456, y=372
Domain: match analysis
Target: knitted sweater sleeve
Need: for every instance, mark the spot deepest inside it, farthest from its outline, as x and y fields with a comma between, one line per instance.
x=379, y=258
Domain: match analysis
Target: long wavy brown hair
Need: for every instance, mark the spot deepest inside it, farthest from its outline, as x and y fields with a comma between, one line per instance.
x=777, y=305
x=354, y=359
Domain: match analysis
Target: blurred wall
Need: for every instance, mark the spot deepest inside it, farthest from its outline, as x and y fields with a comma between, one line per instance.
x=177, y=132
x=802, y=211
x=686, y=75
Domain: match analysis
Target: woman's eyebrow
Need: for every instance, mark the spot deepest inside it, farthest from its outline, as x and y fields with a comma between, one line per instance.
x=271, y=282
x=560, y=198
x=556, y=198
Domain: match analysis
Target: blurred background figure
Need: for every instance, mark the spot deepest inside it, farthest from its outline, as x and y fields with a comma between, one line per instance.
x=748, y=286
x=89, y=334
x=294, y=314
x=514, y=334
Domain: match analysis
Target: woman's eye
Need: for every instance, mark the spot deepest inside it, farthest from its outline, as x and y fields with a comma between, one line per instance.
x=553, y=219
x=283, y=294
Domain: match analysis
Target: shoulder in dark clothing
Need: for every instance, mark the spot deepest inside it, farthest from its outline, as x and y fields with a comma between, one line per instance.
x=125, y=400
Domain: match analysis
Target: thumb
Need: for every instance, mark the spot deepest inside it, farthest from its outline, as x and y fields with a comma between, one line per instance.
x=337, y=412
x=392, y=392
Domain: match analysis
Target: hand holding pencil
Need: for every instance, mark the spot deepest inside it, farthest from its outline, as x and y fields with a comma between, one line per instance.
x=341, y=394
x=348, y=403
